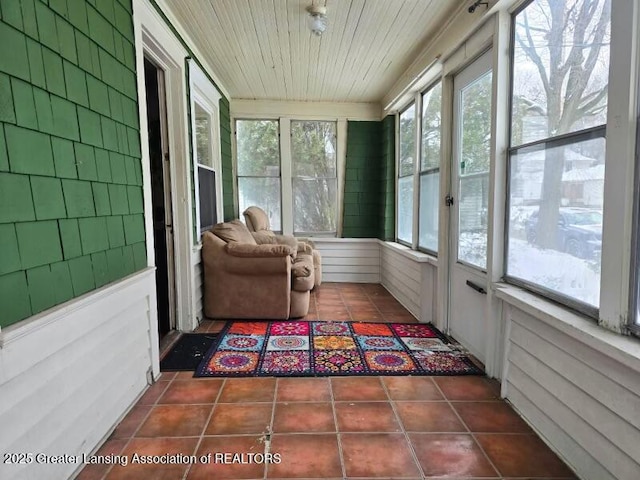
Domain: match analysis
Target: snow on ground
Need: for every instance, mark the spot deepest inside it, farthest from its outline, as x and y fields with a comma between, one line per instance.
x=557, y=271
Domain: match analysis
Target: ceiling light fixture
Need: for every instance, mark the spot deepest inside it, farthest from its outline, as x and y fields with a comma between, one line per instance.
x=317, y=21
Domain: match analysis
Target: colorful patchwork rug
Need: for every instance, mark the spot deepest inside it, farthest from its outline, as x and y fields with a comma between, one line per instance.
x=303, y=348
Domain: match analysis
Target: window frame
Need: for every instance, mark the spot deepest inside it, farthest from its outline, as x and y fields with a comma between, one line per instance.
x=599, y=131
x=438, y=81
x=416, y=104
x=207, y=96
x=327, y=233
x=237, y=173
x=633, y=322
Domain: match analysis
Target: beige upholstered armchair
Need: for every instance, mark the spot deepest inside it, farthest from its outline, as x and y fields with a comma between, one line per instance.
x=245, y=280
x=258, y=224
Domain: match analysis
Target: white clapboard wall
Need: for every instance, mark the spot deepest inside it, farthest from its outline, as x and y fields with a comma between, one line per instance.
x=410, y=277
x=584, y=403
x=349, y=259
x=198, y=284
x=68, y=376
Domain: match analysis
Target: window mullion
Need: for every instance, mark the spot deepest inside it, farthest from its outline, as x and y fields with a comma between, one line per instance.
x=286, y=185
x=416, y=170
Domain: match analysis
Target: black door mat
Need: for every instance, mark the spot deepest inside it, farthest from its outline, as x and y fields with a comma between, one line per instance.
x=187, y=353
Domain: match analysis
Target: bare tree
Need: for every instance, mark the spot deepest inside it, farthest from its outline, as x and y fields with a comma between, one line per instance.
x=565, y=45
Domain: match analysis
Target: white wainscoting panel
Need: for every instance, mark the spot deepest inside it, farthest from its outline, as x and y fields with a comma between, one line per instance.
x=411, y=277
x=67, y=376
x=349, y=259
x=584, y=403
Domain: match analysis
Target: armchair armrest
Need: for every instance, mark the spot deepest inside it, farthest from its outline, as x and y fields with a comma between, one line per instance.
x=254, y=261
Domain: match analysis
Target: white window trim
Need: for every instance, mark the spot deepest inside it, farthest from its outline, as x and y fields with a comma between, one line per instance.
x=205, y=94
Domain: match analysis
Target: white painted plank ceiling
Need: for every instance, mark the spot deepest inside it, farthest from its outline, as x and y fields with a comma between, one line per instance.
x=262, y=49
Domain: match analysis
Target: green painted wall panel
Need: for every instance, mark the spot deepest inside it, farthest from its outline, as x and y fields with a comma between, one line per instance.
x=14, y=60
x=64, y=158
x=362, y=180
x=70, y=237
x=9, y=254
x=16, y=203
x=41, y=292
x=47, y=198
x=7, y=113
x=39, y=243
x=14, y=298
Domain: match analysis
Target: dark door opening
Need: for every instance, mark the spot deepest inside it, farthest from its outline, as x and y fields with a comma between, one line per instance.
x=160, y=196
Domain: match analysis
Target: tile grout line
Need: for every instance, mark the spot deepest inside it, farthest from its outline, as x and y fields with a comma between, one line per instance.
x=469, y=430
x=206, y=424
x=414, y=455
x=270, y=426
x=338, y=434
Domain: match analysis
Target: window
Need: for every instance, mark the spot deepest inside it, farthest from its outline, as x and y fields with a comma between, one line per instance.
x=406, y=170
x=474, y=154
x=557, y=154
x=314, y=177
x=430, y=169
x=258, y=154
x=206, y=172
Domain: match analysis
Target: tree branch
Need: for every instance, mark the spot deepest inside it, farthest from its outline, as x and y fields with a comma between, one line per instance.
x=530, y=51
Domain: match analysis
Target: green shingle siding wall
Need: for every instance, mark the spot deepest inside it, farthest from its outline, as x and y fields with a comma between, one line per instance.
x=71, y=209
x=387, y=186
x=230, y=211
x=362, y=180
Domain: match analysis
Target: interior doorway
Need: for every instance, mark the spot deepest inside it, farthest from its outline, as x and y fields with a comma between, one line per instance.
x=469, y=202
x=161, y=197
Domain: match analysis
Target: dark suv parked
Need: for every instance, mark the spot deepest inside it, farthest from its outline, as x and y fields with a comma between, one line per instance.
x=579, y=231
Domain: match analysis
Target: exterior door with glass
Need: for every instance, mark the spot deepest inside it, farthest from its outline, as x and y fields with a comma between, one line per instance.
x=469, y=205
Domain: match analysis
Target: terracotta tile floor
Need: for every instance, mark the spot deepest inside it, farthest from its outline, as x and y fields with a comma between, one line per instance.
x=341, y=427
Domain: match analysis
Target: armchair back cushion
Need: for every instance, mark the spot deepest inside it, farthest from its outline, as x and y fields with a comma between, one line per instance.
x=257, y=220
x=234, y=231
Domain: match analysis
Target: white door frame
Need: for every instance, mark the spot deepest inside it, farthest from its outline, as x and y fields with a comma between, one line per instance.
x=155, y=40
x=493, y=33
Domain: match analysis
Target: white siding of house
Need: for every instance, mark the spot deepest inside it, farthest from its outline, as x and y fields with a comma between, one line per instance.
x=69, y=375
x=584, y=403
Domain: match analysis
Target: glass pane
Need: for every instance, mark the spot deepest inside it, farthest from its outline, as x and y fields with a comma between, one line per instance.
x=429, y=204
x=203, y=137
x=407, y=140
x=263, y=193
x=431, y=108
x=555, y=218
x=315, y=203
x=405, y=209
x=473, y=209
x=313, y=149
x=475, y=111
x=258, y=148
x=561, y=68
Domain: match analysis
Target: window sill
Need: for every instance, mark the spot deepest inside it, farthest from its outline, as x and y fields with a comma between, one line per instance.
x=621, y=348
x=407, y=252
